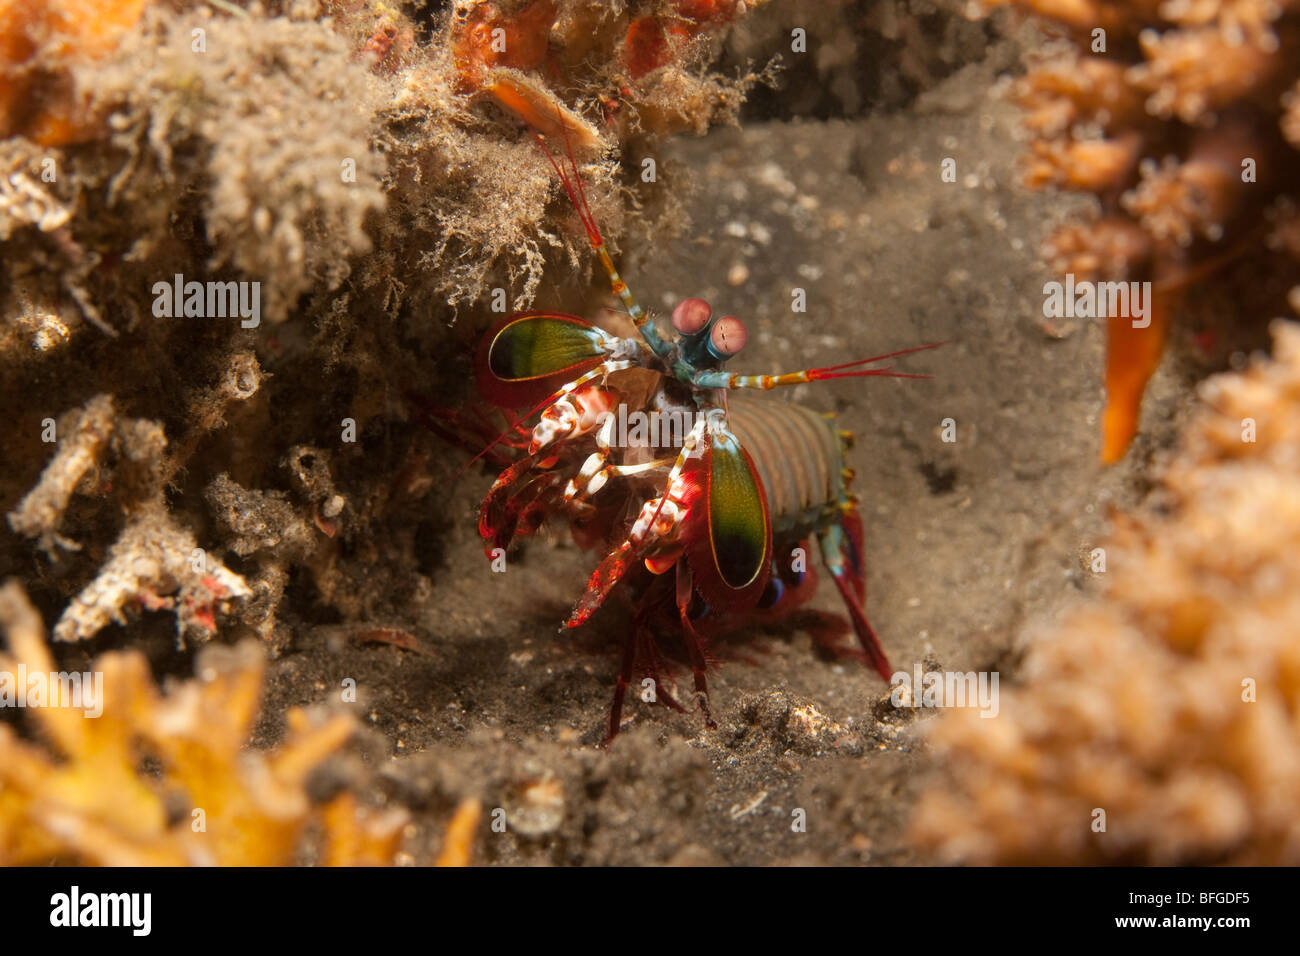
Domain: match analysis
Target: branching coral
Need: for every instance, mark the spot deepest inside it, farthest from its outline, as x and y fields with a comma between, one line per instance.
x=1172, y=704
x=24, y=201
x=88, y=800
x=154, y=565
x=87, y=431
x=1177, y=116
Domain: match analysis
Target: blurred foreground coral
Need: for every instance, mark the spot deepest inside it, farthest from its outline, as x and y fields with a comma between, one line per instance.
x=39, y=41
x=1172, y=703
x=1181, y=118
x=165, y=779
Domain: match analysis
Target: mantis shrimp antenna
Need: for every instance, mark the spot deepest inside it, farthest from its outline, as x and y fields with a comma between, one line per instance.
x=720, y=379
x=571, y=180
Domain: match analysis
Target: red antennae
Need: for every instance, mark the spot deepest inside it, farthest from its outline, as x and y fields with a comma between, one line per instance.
x=577, y=179
x=819, y=374
x=877, y=358
x=835, y=371
x=572, y=183
x=576, y=195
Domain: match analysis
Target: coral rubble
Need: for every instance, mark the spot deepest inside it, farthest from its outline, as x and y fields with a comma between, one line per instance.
x=154, y=563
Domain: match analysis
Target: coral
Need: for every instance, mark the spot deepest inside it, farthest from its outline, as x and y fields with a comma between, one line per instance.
x=292, y=172
x=129, y=775
x=257, y=521
x=23, y=200
x=213, y=802
x=559, y=66
x=645, y=60
x=1159, y=115
x=354, y=135
x=154, y=563
x=40, y=40
x=271, y=527
x=88, y=430
x=1172, y=701
x=458, y=843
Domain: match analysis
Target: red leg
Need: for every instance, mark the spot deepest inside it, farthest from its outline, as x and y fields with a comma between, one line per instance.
x=639, y=644
x=654, y=667
x=851, y=547
x=620, y=687
x=862, y=627
x=694, y=643
x=837, y=554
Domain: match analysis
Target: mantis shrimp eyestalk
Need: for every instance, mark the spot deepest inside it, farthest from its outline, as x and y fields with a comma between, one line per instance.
x=720, y=495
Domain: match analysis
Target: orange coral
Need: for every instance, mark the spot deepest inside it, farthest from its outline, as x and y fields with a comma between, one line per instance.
x=1157, y=116
x=92, y=804
x=458, y=843
x=39, y=41
x=1132, y=355
x=525, y=53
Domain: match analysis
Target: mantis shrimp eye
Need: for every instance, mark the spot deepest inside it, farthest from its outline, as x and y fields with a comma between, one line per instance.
x=691, y=315
x=728, y=337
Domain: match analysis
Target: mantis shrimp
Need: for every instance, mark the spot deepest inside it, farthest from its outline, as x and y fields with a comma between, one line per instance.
x=706, y=536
